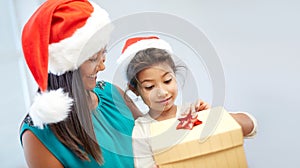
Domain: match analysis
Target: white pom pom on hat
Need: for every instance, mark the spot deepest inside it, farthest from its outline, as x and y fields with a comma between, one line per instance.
x=55, y=40
x=47, y=109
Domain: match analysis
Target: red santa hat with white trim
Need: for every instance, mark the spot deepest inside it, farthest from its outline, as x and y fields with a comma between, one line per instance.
x=135, y=44
x=59, y=37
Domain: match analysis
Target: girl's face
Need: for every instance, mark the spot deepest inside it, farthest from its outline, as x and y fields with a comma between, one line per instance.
x=91, y=67
x=158, y=87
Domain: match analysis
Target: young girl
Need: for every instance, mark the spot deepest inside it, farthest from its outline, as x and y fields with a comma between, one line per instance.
x=151, y=75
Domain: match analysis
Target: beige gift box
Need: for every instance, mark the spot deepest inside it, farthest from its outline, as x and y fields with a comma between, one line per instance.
x=217, y=142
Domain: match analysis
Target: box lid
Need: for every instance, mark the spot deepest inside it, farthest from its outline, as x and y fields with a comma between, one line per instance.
x=219, y=131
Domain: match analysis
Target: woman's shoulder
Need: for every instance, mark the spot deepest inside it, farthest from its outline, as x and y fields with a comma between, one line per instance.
x=33, y=147
x=102, y=84
x=104, y=87
x=27, y=124
x=39, y=142
x=45, y=135
x=107, y=91
x=34, y=141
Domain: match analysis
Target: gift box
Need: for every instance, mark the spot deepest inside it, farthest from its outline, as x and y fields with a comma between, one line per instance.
x=217, y=142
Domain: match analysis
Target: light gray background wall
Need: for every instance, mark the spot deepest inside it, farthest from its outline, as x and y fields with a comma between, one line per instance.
x=258, y=45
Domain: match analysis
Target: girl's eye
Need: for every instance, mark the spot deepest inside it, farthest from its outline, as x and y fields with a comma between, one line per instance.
x=168, y=81
x=149, y=87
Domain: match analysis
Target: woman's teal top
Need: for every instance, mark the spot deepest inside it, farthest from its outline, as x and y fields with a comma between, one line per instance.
x=113, y=123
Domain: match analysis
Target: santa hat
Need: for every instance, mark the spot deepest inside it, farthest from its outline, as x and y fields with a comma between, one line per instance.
x=59, y=37
x=131, y=47
x=136, y=44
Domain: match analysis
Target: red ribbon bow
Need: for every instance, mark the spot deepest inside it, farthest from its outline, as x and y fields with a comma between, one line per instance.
x=188, y=122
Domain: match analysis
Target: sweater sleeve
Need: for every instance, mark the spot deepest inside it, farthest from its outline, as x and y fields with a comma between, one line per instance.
x=143, y=156
x=253, y=133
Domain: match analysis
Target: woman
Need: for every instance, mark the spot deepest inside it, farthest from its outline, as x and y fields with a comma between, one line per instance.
x=74, y=121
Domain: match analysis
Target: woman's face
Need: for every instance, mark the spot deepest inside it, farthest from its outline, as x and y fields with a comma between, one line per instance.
x=158, y=87
x=91, y=67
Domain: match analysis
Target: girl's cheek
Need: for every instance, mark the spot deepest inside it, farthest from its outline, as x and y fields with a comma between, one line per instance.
x=146, y=97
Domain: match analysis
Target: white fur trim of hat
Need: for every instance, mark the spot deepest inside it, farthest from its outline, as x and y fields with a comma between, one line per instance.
x=69, y=53
x=131, y=50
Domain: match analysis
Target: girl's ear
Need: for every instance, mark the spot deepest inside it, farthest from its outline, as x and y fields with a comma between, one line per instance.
x=134, y=90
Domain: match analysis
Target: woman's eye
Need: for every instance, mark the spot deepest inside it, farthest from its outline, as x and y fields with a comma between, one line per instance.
x=93, y=59
x=168, y=81
x=104, y=51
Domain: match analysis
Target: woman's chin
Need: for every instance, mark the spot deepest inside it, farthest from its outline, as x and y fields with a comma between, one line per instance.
x=90, y=85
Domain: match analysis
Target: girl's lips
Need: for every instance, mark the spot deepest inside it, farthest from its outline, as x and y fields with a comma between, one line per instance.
x=164, y=101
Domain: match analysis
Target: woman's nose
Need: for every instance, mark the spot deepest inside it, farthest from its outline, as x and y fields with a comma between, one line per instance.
x=101, y=66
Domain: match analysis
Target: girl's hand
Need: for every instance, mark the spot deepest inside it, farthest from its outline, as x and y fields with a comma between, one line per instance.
x=201, y=105
x=189, y=114
x=193, y=108
x=247, y=122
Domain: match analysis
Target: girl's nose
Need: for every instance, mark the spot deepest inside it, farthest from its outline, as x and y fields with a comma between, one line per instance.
x=162, y=93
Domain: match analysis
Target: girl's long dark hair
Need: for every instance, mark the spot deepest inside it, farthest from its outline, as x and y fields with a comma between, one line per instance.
x=76, y=132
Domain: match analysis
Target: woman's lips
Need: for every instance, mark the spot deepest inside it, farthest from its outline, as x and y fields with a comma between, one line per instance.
x=93, y=76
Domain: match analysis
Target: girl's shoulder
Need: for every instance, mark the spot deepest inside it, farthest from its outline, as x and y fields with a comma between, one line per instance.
x=145, y=119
